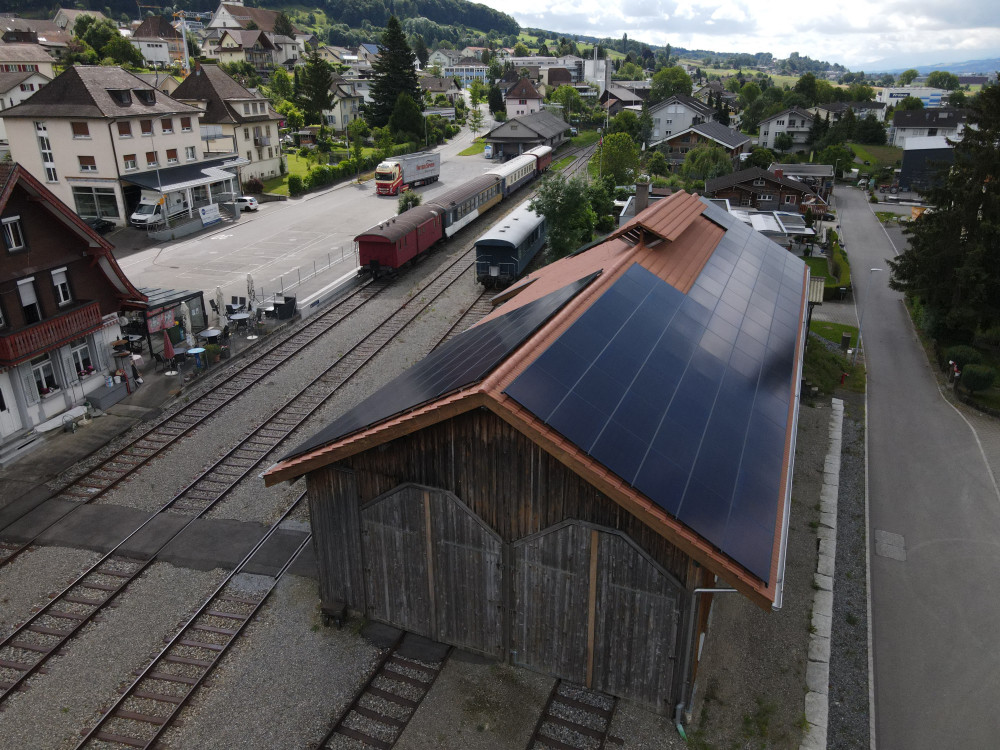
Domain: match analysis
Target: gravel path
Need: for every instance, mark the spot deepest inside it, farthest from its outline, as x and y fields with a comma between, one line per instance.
x=88, y=675
x=281, y=683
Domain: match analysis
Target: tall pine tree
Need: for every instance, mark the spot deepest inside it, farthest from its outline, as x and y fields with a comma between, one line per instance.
x=315, y=83
x=393, y=74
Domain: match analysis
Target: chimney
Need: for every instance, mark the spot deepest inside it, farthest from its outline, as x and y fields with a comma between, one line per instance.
x=641, y=197
x=779, y=173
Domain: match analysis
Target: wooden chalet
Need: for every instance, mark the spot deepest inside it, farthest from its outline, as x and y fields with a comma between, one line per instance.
x=765, y=191
x=555, y=486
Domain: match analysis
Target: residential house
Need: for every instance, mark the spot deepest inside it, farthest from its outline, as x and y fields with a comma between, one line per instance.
x=237, y=119
x=444, y=58
x=45, y=34
x=339, y=56
x=287, y=51
x=928, y=96
x=836, y=110
x=345, y=107
x=615, y=98
x=476, y=52
x=817, y=176
x=575, y=65
x=467, y=70
x=765, y=191
x=368, y=53
x=93, y=132
x=61, y=293
x=162, y=81
x=435, y=86
x=648, y=389
x=158, y=41
x=21, y=58
x=521, y=133
x=918, y=123
x=677, y=114
x=554, y=77
x=65, y=18
x=794, y=122
x=254, y=47
x=709, y=91
x=14, y=89
x=523, y=99
x=362, y=87
x=238, y=16
x=676, y=146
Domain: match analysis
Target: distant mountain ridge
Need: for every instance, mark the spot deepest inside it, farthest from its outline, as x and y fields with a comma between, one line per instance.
x=985, y=66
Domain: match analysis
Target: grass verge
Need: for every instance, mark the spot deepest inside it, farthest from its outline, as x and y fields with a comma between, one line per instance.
x=477, y=147
x=825, y=369
x=563, y=163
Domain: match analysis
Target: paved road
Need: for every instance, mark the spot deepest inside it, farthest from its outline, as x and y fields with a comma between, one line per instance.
x=283, y=244
x=935, y=530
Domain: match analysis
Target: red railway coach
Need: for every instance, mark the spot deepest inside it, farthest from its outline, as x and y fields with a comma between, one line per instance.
x=543, y=157
x=387, y=246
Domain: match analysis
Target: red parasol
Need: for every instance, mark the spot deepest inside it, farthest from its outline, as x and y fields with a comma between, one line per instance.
x=168, y=347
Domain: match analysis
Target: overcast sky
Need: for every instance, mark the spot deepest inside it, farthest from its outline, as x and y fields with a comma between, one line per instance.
x=854, y=33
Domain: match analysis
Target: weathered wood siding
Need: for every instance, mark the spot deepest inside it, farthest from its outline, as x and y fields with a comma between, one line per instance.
x=395, y=558
x=638, y=614
x=335, y=516
x=550, y=602
x=513, y=485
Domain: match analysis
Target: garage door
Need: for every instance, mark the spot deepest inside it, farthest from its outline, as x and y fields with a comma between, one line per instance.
x=432, y=567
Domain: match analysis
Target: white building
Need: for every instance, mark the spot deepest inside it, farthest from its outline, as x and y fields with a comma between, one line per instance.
x=930, y=97
x=14, y=89
x=795, y=122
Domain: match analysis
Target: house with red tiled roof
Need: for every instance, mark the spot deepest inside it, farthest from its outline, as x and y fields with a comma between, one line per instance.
x=523, y=99
x=554, y=486
x=61, y=293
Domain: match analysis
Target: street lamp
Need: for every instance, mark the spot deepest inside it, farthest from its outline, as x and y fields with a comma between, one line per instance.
x=861, y=321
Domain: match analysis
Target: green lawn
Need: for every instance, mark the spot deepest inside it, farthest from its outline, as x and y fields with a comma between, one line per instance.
x=279, y=185
x=833, y=331
x=876, y=155
x=825, y=369
x=477, y=147
x=586, y=138
x=818, y=266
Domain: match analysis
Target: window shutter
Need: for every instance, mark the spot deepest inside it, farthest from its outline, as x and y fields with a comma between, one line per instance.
x=28, y=385
x=80, y=129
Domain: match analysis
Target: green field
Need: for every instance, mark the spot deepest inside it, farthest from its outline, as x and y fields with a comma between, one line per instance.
x=296, y=165
x=877, y=155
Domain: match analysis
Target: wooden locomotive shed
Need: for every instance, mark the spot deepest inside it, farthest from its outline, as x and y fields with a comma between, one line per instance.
x=555, y=486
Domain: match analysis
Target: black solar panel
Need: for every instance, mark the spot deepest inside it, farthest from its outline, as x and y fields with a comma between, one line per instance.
x=686, y=397
x=463, y=360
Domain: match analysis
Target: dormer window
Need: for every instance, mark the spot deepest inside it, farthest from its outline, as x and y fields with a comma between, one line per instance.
x=122, y=97
x=146, y=96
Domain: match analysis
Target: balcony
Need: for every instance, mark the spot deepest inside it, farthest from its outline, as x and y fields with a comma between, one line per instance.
x=38, y=338
x=261, y=140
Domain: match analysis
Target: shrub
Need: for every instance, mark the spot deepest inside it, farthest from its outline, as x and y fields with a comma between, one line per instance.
x=962, y=356
x=990, y=337
x=295, y=186
x=253, y=186
x=977, y=377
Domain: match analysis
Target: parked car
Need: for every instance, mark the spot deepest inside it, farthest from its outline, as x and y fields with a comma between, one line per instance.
x=101, y=226
x=247, y=203
x=828, y=217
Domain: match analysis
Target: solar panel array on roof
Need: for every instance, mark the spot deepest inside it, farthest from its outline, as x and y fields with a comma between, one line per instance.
x=464, y=360
x=686, y=397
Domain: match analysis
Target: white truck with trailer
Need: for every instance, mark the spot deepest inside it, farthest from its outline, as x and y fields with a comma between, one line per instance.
x=401, y=173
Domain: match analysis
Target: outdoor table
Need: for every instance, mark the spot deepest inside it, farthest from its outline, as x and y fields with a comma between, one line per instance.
x=240, y=319
x=197, y=352
x=210, y=334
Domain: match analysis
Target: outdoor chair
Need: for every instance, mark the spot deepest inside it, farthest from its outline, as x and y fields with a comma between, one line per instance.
x=159, y=361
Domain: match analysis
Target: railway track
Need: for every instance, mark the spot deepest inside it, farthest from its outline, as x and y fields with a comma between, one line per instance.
x=574, y=718
x=153, y=701
x=390, y=697
x=28, y=647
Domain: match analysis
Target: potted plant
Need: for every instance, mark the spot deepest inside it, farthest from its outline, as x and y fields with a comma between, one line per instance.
x=213, y=352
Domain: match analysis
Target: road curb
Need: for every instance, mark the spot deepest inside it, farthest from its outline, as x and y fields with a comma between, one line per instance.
x=817, y=701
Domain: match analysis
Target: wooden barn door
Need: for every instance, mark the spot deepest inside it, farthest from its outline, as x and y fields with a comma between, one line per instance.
x=550, y=590
x=394, y=541
x=637, y=624
x=433, y=568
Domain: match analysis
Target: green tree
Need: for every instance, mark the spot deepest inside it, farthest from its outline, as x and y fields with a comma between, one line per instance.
x=907, y=77
x=97, y=33
x=392, y=74
x=942, y=79
x=406, y=121
x=625, y=121
x=496, y=100
x=316, y=80
x=421, y=51
x=520, y=50
x=407, y=200
x=122, y=51
x=761, y=157
x=280, y=86
x=837, y=156
x=668, y=82
x=859, y=92
x=910, y=102
x=619, y=157
x=645, y=124
x=568, y=212
x=749, y=93
x=806, y=88
x=477, y=92
x=294, y=119
x=783, y=142
x=870, y=131
x=950, y=264
x=283, y=24
x=475, y=121
x=957, y=99
x=657, y=164
x=570, y=100
x=383, y=141
x=628, y=72
x=357, y=131
x=705, y=162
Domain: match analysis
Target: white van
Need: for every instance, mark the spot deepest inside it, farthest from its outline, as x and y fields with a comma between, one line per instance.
x=150, y=210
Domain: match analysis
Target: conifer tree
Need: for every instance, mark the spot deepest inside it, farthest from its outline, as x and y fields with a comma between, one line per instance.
x=393, y=74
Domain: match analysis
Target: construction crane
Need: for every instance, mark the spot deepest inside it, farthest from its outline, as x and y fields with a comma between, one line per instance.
x=183, y=16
